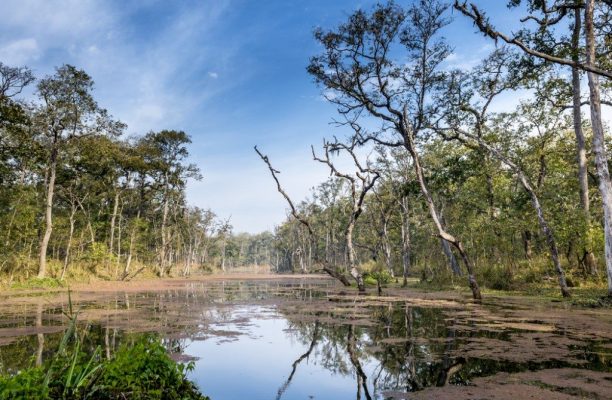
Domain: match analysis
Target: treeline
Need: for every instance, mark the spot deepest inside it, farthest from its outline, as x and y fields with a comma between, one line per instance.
x=453, y=188
x=78, y=197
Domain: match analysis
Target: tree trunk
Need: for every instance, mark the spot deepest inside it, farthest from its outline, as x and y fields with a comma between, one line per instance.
x=350, y=256
x=599, y=146
x=163, y=250
x=128, y=262
x=69, y=244
x=452, y=260
x=527, y=244
x=589, y=260
x=405, y=240
x=550, y=239
x=409, y=144
x=44, y=243
x=112, y=227
x=223, y=256
x=576, y=104
x=119, y=236
x=387, y=248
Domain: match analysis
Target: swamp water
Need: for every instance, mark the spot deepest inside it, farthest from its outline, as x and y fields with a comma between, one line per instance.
x=311, y=339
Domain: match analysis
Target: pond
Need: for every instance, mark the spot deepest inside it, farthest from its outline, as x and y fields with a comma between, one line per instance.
x=311, y=339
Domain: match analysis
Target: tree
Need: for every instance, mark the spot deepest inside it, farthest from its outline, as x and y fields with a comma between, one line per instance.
x=552, y=14
x=364, y=180
x=357, y=66
x=67, y=111
x=167, y=153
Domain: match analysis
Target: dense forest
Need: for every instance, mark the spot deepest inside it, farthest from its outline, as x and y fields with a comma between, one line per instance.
x=78, y=197
x=444, y=184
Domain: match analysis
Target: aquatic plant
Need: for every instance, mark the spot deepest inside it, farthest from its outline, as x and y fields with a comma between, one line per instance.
x=138, y=370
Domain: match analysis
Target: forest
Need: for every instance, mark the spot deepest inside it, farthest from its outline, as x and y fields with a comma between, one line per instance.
x=445, y=185
x=78, y=198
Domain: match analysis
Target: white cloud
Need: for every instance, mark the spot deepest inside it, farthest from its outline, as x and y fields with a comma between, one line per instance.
x=213, y=75
x=19, y=52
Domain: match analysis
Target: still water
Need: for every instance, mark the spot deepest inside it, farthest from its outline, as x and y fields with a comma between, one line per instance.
x=309, y=339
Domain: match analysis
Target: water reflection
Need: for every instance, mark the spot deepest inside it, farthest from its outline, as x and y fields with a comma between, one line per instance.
x=301, y=339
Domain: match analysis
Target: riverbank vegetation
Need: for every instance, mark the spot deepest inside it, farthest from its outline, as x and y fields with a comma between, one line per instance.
x=448, y=179
x=79, y=369
x=438, y=175
x=79, y=199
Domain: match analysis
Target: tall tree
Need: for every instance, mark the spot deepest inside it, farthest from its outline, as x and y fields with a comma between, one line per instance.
x=357, y=65
x=551, y=13
x=168, y=153
x=67, y=111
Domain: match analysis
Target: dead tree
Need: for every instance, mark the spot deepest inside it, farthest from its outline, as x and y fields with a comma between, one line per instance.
x=364, y=179
x=328, y=268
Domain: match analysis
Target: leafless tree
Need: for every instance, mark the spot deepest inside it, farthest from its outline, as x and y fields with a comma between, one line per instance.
x=360, y=184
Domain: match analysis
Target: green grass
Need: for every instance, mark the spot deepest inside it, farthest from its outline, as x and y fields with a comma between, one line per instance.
x=38, y=283
x=138, y=370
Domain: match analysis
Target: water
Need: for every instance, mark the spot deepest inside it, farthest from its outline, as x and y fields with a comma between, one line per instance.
x=307, y=339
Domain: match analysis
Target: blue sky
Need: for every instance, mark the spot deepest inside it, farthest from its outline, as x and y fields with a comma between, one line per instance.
x=231, y=73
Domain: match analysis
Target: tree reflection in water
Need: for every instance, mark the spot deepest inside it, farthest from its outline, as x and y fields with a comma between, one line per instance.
x=404, y=349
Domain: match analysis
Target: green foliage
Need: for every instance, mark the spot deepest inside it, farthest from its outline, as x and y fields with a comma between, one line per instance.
x=141, y=370
x=138, y=370
x=96, y=253
x=374, y=278
x=498, y=277
x=26, y=384
x=39, y=283
x=145, y=371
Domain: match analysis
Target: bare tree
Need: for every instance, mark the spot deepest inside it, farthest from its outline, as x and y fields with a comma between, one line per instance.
x=328, y=268
x=359, y=184
x=13, y=80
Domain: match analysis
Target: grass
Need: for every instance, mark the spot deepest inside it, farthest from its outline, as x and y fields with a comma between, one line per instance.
x=38, y=283
x=138, y=370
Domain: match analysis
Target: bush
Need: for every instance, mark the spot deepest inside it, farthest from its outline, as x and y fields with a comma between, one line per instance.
x=145, y=371
x=498, y=277
x=139, y=370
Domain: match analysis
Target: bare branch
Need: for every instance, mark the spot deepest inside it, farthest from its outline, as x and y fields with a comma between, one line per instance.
x=487, y=29
x=273, y=172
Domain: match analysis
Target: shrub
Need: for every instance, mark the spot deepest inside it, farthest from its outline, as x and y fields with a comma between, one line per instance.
x=139, y=370
x=498, y=277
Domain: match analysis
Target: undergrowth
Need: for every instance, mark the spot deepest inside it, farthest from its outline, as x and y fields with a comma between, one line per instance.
x=139, y=370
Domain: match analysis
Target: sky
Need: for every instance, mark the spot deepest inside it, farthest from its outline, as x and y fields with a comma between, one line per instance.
x=230, y=73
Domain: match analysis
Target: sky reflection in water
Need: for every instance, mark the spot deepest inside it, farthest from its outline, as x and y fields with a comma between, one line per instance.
x=249, y=338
